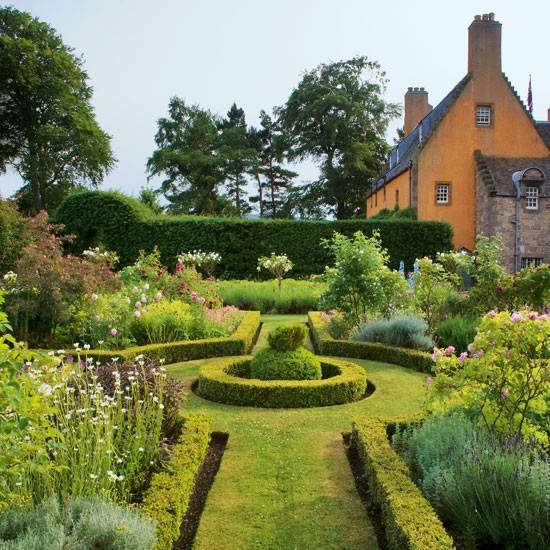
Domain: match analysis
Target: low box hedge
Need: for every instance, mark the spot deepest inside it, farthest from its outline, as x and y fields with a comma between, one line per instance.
x=410, y=523
x=226, y=381
x=239, y=343
x=326, y=345
x=168, y=496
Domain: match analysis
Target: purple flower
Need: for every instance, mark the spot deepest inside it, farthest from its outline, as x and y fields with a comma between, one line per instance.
x=114, y=331
x=462, y=356
x=543, y=317
x=137, y=314
x=492, y=313
x=429, y=381
x=69, y=358
x=516, y=317
x=504, y=393
x=137, y=304
x=532, y=316
x=94, y=297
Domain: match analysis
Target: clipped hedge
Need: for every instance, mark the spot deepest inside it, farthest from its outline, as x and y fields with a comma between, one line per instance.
x=126, y=226
x=409, y=520
x=168, y=496
x=226, y=381
x=239, y=343
x=326, y=345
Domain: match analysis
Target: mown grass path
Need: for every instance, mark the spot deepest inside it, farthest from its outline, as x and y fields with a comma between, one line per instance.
x=284, y=482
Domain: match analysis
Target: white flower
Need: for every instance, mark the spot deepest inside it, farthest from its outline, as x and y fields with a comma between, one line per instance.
x=45, y=389
x=93, y=476
x=141, y=450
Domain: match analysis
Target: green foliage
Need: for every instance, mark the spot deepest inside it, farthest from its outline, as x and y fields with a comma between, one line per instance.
x=433, y=286
x=166, y=321
x=287, y=338
x=530, y=286
x=149, y=198
x=296, y=364
x=405, y=331
x=326, y=345
x=294, y=297
x=495, y=493
x=11, y=233
x=239, y=343
x=458, y=332
x=337, y=116
x=80, y=523
x=360, y=283
x=408, y=519
x=126, y=226
x=186, y=156
x=47, y=285
x=229, y=381
x=395, y=214
x=167, y=498
x=505, y=382
x=21, y=447
x=48, y=127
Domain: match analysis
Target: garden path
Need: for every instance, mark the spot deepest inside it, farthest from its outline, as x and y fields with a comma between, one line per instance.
x=284, y=481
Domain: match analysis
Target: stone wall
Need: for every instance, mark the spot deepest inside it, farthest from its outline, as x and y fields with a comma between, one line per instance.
x=495, y=215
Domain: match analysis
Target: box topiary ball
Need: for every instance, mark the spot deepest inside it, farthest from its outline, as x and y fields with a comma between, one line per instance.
x=297, y=364
x=287, y=338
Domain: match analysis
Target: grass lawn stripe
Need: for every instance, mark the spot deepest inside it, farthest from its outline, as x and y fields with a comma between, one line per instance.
x=284, y=481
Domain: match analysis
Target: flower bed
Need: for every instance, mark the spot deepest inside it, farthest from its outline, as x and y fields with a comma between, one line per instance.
x=326, y=345
x=239, y=343
x=409, y=520
x=168, y=496
x=226, y=381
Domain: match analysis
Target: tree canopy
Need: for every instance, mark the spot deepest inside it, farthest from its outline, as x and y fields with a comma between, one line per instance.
x=47, y=123
x=337, y=116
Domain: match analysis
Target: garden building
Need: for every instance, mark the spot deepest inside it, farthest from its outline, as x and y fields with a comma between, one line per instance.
x=455, y=161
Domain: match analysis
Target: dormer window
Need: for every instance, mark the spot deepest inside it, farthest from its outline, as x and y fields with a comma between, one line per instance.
x=484, y=115
x=532, y=198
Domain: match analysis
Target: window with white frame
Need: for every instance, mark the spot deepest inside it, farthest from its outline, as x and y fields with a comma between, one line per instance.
x=530, y=262
x=483, y=115
x=442, y=193
x=532, y=198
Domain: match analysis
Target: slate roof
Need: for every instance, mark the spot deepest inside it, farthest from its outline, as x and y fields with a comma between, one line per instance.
x=407, y=149
x=497, y=173
x=544, y=131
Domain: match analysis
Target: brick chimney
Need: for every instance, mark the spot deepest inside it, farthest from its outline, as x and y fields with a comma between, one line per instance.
x=484, y=45
x=416, y=108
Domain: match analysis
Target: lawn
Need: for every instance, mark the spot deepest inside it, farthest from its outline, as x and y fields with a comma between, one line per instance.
x=284, y=481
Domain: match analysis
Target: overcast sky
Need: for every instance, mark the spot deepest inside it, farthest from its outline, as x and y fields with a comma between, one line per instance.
x=139, y=53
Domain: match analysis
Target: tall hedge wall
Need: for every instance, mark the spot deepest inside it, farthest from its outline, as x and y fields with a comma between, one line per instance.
x=124, y=225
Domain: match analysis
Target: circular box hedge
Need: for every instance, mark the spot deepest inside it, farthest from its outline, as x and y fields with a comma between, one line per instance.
x=227, y=381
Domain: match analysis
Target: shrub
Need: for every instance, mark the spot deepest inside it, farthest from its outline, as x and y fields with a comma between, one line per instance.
x=405, y=331
x=166, y=321
x=40, y=300
x=298, y=364
x=228, y=381
x=408, y=519
x=126, y=226
x=326, y=345
x=167, y=498
x=11, y=232
x=80, y=523
x=458, y=332
x=494, y=492
x=287, y=338
x=294, y=297
x=433, y=287
x=277, y=264
x=504, y=379
x=360, y=283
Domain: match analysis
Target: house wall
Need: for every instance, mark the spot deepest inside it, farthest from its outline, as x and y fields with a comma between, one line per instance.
x=448, y=156
x=376, y=202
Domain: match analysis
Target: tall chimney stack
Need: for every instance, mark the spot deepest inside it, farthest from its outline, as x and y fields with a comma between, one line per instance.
x=548, y=115
x=416, y=108
x=484, y=45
